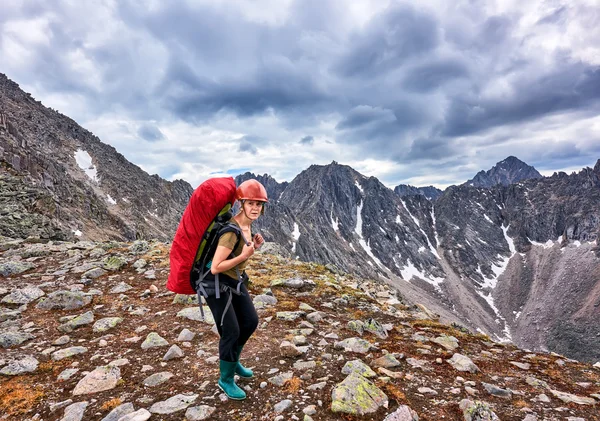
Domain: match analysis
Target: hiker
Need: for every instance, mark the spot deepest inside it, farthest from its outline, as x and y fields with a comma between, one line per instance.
x=233, y=310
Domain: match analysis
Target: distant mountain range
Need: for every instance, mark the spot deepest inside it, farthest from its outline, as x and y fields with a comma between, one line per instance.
x=510, y=252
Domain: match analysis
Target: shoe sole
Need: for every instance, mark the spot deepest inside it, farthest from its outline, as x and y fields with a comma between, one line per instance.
x=235, y=399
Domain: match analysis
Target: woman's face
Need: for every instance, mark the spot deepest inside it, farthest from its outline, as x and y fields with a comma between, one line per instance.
x=253, y=208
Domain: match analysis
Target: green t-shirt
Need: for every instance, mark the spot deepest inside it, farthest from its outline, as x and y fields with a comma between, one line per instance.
x=228, y=240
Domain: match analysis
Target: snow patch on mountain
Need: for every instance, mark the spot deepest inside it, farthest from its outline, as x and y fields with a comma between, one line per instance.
x=84, y=161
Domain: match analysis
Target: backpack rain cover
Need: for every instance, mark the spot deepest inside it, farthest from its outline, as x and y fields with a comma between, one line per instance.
x=205, y=204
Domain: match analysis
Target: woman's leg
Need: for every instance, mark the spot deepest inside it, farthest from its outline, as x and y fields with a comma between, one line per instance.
x=230, y=331
x=247, y=318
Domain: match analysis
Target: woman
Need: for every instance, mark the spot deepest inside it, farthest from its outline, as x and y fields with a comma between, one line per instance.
x=234, y=307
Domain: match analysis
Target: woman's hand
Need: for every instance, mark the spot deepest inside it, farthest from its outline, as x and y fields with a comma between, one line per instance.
x=248, y=250
x=258, y=241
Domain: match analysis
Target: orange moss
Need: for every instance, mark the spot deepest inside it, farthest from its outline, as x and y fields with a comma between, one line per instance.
x=293, y=385
x=394, y=392
x=111, y=404
x=18, y=397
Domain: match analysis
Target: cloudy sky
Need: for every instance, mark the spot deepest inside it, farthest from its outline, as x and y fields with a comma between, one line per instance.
x=422, y=93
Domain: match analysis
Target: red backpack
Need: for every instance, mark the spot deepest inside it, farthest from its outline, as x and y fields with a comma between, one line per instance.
x=211, y=200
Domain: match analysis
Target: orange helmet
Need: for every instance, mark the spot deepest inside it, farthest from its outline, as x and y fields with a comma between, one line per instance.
x=251, y=190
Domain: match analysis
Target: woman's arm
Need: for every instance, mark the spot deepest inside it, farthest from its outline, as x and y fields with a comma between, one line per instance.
x=220, y=263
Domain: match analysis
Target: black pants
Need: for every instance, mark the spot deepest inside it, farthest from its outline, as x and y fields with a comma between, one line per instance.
x=239, y=323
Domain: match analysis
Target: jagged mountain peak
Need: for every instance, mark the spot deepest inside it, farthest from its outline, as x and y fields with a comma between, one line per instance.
x=430, y=192
x=508, y=171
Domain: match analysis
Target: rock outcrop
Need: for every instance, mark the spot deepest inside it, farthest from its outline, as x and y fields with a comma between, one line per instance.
x=59, y=181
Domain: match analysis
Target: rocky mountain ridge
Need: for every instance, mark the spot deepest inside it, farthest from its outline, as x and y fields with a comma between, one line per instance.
x=498, y=259
x=77, y=180
x=88, y=332
x=430, y=192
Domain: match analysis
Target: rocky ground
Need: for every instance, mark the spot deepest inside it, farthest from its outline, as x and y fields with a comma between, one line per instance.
x=89, y=332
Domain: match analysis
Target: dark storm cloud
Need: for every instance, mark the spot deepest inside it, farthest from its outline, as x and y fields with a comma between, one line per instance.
x=429, y=76
x=218, y=61
x=423, y=149
x=307, y=140
x=150, y=132
x=193, y=97
x=573, y=86
x=388, y=42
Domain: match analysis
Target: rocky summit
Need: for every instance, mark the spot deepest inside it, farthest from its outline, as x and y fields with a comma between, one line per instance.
x=88, y=332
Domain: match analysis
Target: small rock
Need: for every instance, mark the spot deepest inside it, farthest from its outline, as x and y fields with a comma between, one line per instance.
x=304, y=365
x=359, y=367
x=101, y=379
x=64, y=300
x=186, y=335
x=477, y=411
x=157, y=378
x=373, y=326
x=23, y=295
x=522, y=366
x=173, y=353
x=403, y=413
x=59, y=405
x=287, y=349
x=61, y=354
x=25, y=364
x=67, y=374
x=280, y=379
x=173, y=404
x=448, y=342
x=199, y=413
x=139, y=415
x=317, y=386
x=14, y=268
x=77, y=322
x=75, y=411
x=120, y=288
x=357, y=396
x=289, y=316
x=310, y=410
x=267, y=300
x=462, y=363
x=154, y=340
x=569, y=398
x=105, y=324
x=119, y=411
x=392, y=374
x=282, y=406
x=63, y=340
x=496, y=391
x=386, y=361
x=357, y=345
x=9, y=339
